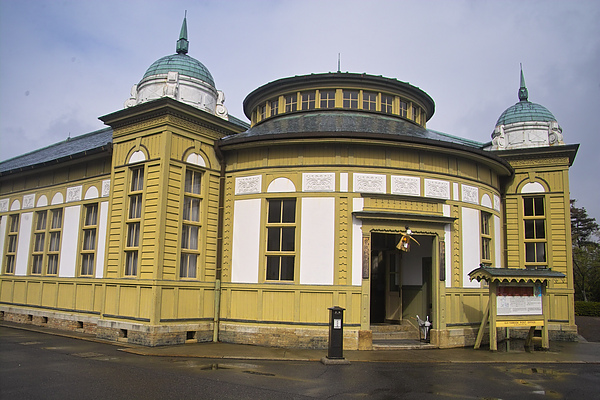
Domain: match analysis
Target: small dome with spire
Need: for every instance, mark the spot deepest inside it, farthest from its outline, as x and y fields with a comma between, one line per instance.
x=526, y=124
x=182, y=78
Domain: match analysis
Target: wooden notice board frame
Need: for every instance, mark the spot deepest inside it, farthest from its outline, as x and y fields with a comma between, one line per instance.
x=532, y=311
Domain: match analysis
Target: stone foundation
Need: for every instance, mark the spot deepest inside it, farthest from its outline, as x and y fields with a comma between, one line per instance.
x=51, y=319
x=152, y=335
x=284, y=336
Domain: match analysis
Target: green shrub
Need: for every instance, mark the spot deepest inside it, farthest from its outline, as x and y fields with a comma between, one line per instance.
x=587, y=308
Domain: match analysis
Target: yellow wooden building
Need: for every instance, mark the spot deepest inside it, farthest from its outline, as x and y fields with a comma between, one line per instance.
x=182, y=223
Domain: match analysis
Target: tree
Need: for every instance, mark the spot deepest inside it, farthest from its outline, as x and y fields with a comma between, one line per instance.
x=586, y=254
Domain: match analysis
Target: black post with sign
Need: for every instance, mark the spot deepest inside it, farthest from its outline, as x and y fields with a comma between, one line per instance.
x=336, y=333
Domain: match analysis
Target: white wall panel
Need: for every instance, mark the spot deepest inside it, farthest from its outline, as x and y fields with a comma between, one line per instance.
x=448, y=261
x=357, y=205
x=102, y=229
x=24, y=241
x=497, y=242
x=3, y=225
x=317, y=241
x=69, y=242
x=471, y=252
x=246, y=240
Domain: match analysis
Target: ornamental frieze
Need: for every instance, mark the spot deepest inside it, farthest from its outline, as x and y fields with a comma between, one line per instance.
x=323, y=182
x=438, y=189
x=248, y=185
x=470, y=194
x=369, y=183
x=28, y=201
x=406, y=185
x=539, y=161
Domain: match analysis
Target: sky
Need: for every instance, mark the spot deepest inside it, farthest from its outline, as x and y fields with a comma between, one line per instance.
x=64, y=63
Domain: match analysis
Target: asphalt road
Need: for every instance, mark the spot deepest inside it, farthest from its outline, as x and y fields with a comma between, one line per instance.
x=40, y=366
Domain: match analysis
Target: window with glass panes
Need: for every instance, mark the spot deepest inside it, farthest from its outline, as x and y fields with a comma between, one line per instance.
x=291, y=102
x=308, y=100
x=416, y=112
x=55, y=231
x=281, y=240
x=327, y=98
x=39, y=242
x=386, y=103
x=88, y=248
x=11, y=247
x=350, y=99
x=134, y=221
x=190, y=231
x=486, y=237
x=403, y=109
x=274, y=107
x=534, y=221
x=262, y=112
x=369, y=101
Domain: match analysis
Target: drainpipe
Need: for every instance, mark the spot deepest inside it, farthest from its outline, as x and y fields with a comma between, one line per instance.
x=219, y=265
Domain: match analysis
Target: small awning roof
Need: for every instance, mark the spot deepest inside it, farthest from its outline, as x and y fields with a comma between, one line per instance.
x=514, y=275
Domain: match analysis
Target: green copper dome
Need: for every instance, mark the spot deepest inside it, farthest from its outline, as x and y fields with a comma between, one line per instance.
x=524, y=110
x=183, y=64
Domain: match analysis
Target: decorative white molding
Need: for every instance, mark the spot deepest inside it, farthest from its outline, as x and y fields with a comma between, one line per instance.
x=318, y=182
x=281, y=185
x=369, y=183
x=248, y=184
x=106, y=188
x=74, y=193
x=496, y=203
x=4, y=205
x=408, y=185
x=470, y=194
x=28, y=201
x=438, y=189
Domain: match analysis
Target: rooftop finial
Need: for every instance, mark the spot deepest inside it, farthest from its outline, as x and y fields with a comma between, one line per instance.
x=339, y=63
x=182, y=43
x=523, y=94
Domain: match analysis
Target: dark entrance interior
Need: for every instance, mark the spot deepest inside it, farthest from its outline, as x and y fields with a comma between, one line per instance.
x=400, y=281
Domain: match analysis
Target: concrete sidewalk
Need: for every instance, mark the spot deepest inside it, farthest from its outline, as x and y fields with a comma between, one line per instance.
x=560, y=352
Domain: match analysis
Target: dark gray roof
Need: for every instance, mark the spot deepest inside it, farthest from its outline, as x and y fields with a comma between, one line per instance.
x=74, y=147
x=238, y=122
x=346, y=122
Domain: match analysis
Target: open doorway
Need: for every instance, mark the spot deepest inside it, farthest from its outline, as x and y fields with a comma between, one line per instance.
x=400, y=281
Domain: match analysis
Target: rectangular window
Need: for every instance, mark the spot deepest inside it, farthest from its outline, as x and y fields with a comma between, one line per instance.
x=486, y=238
x=88, y=247
x=308, y=100
x=11, y=248
x=370, y=101
x=416, y=112
x=190, y=230
x=534, y=223
x=133, y=222
x=386, y=103
x=291, y=102
x=327, y=98
x=274, y=107
x=39, y=243
x=403, y=109
x=54, y=245
x=350, y=99
x=262, y=112
x=281, y=240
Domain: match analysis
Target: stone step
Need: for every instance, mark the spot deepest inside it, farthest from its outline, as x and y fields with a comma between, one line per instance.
x=402, y=344
x=402, y=327
x=398, y=335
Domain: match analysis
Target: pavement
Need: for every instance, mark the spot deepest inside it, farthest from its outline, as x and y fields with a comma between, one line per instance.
x=582, y=352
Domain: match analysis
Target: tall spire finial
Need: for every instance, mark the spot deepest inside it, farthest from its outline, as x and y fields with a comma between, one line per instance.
x=523, y=94
x=182, y=43
x=339, y=63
